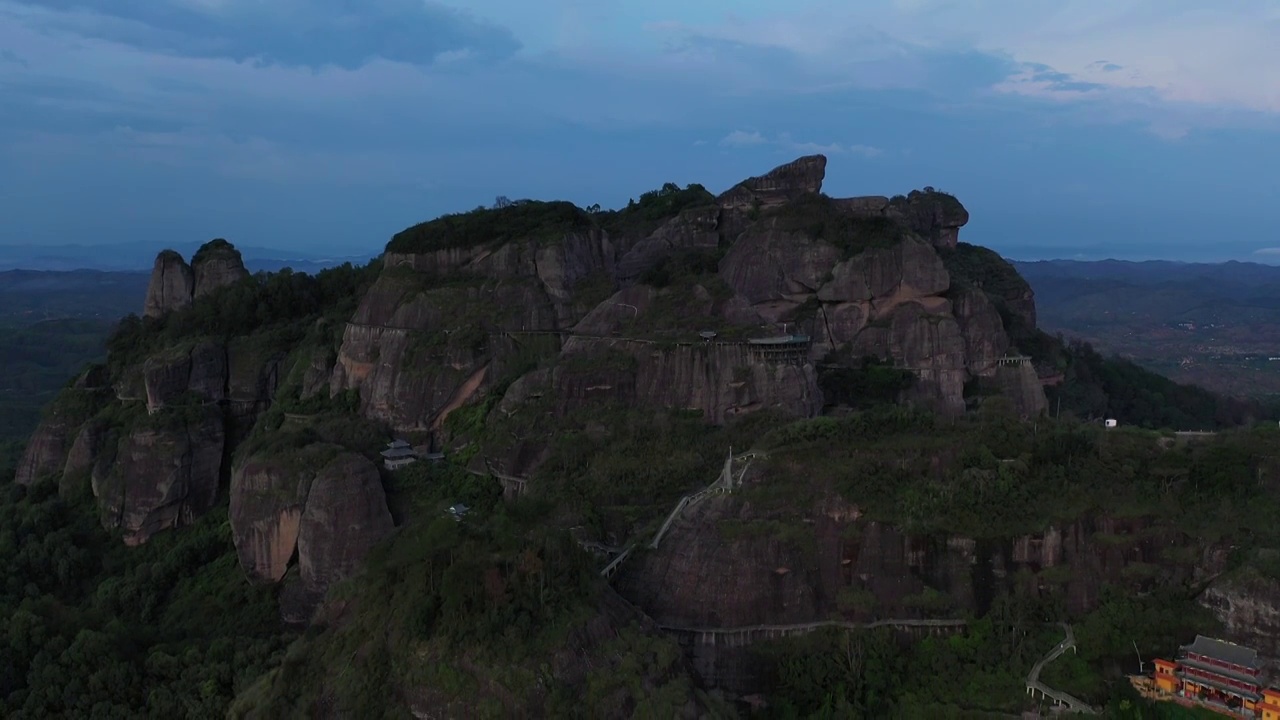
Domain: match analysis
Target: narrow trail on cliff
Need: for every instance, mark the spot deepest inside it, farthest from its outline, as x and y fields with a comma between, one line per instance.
x=725, y=482
x=1070, y=702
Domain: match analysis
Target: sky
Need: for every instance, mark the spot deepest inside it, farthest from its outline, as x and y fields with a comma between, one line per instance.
x=1068, y=128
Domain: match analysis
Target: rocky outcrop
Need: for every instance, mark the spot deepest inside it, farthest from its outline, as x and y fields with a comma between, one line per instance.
x=892, y=302
x=175, y=284
x=729, y=563
x=860, y=276
x=694, y=228
x=1021, y=384
x=799, y=177
x=215, y=265
x=933, y=215
x=198, y=371
x=162, y=473
x=88, y=445
x=321, y=507
x=345, y=516
x=46, y=450
x=414, y=342
x=719, y=380
x=1247, y=603
x=172, y=285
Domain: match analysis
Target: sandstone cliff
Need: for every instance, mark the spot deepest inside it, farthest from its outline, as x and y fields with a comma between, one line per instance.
x=460, y=296
x=175, y=284
x=320, y=505
x=1248, y=605
x=216, y=264
x=161, y=473
x=172, y=285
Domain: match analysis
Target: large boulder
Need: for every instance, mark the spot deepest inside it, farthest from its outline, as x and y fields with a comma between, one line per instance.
x=171, y=287
x=320, y=508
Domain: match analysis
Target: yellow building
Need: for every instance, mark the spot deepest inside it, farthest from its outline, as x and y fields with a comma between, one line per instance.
x=1270, y=705
x=1219, y=676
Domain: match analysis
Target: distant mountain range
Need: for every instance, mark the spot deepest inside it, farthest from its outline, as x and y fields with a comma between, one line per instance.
x=138, y=257
x=1214, y=324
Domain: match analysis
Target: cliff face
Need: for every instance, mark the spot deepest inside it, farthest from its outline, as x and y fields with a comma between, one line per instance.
x=161, y=474
x=1248, y=605
x=321, y=508
x=860, y=276
x=725, y=563
x=171, y=287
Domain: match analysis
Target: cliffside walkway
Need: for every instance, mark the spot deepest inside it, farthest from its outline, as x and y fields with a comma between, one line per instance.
x=742, y=636
x=725, y=483
x=510, y=483
x=1060, y=699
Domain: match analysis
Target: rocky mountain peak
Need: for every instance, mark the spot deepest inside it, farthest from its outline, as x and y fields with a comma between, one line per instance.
x=799, y=177
x=216, y=264
x=175, y=284
x=934, y=215
x=172, y=285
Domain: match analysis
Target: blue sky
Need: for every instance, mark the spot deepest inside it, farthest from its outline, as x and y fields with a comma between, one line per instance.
x=1132, y=128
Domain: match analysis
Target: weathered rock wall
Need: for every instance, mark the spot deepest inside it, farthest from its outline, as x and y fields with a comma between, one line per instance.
x=320, y=508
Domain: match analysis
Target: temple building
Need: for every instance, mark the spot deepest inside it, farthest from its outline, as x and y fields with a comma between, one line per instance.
x=1219, y=676
x=781, y=349
x=398, y=454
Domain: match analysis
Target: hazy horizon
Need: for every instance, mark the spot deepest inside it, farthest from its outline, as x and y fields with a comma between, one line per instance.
x=1059, y=126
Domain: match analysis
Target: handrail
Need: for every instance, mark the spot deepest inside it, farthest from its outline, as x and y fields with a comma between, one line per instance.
x=1073, y=704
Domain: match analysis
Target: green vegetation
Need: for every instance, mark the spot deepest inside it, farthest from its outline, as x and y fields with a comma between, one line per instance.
x=279, y=307
x=37, y=360
x=929, y=196
x=984, y=269
x=1111, y=637
x=1096, y=387
x=873, y=674
x=993, y=476
x=547, y=222
x=1093, y=386
x=521, y=220
x=216, y=246
x=501, y=612
x=469, y=614
x=95, y=629
x=639, y=219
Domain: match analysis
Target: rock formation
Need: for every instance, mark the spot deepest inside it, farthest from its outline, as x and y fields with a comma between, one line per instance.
x=322, y=505
x=785, y=182
x=1248, y=605
x=216, y=264
x=172, y=285
x=859, y=275
x=175, y=285
x=162, y=473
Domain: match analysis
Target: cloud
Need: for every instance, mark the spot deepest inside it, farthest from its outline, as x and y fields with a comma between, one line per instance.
x=1053, y=47
x=742, y=138
x=784, y=141
x=310, y=33
x=401, y=109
